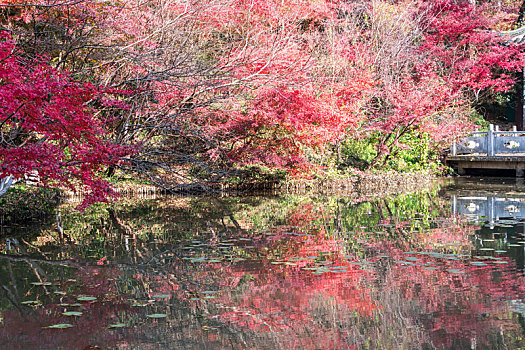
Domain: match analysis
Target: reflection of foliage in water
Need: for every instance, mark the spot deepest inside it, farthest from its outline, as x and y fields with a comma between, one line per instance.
x=285, y=273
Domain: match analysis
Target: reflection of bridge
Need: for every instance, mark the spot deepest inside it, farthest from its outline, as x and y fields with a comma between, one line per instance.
x=504, y=150
x=504, y=216
x=492, y=208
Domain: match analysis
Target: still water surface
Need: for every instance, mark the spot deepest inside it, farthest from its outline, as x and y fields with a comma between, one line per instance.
x=438, y=269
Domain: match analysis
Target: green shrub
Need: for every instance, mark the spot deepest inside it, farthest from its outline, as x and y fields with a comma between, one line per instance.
x=22, y=204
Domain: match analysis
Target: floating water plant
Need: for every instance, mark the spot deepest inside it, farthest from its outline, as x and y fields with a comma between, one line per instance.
x=117, y=325
x=72, y=313
x=86, y=298
x=60, y=326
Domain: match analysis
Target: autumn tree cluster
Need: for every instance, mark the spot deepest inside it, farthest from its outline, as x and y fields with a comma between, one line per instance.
x=181, y=92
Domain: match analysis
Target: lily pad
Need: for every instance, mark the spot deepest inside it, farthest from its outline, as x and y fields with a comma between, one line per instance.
x=198, y=259
x=41, y=283
x=411, y=258
x=60, y=326
x=162, y=296
x=117, y=325
x=140, y=304
x=72, y=313
x=86, y=298
x=404, y=262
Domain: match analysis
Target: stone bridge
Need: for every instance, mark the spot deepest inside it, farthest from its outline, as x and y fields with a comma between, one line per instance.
x=493, y=149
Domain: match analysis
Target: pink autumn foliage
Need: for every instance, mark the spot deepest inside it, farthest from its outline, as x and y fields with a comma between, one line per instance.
x=472, y=56
x=267, y=82
x=280, y=123
x=49, y=126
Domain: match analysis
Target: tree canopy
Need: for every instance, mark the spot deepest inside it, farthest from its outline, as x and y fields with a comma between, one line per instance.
x=179, y=92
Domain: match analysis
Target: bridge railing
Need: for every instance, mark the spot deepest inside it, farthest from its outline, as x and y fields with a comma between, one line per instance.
x=491, y=143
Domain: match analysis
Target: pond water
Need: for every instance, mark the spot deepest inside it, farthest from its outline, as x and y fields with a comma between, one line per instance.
x=442, y=268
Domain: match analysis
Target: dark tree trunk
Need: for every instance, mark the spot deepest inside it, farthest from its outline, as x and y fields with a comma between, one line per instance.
x=521, y=14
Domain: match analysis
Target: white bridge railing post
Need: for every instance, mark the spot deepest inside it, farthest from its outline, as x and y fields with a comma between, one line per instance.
x=490, y=141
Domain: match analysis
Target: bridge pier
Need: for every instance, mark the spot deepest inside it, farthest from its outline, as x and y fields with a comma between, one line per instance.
x=462, y=163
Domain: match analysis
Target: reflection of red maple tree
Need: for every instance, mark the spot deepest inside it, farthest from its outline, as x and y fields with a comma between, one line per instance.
x=287, y=299
x=457, y=298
